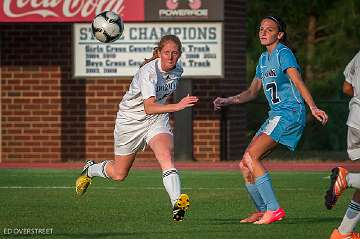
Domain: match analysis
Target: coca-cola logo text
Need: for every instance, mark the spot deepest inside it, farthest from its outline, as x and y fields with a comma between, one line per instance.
x=60, y=8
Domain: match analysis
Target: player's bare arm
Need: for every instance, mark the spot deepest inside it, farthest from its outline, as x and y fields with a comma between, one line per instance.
x=348, y=89
x=245, y=96
x=295, y=77
x=151, y=107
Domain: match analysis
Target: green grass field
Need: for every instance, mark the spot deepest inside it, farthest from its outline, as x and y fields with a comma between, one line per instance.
x=140, y=208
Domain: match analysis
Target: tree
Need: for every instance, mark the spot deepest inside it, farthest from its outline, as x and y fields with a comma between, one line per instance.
x=326, y=35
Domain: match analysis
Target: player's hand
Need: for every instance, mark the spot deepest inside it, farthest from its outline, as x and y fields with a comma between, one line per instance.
x=220, y=102
x=319, y=114
x=187, y=101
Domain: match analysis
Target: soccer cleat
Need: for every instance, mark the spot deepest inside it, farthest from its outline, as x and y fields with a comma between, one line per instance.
x=337, y=235
x=83, y=181
x=181, y=205
x=271, y=216
x=338, y=184
x=253, y=217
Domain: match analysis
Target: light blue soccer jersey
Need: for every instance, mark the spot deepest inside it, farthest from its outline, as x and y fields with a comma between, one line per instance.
x=286, y=120
x=279, y=90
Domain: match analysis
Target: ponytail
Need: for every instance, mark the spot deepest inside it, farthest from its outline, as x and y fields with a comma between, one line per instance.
x=154, y=56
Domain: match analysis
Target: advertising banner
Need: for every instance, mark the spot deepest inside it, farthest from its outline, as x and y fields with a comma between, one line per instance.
x=68, y=10
x=184, y=10
x=130, y=10
x=202, y=49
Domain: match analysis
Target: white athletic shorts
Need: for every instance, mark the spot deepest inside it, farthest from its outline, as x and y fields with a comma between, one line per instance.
x=353, y=143
x=131, y=135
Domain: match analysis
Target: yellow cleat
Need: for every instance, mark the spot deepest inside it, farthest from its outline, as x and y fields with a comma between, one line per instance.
x=181, y=205
x=81, y=185
x=83, y=181
x=183, y=202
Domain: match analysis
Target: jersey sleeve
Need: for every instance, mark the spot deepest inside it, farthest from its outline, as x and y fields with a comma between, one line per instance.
x=350, y=69
x=258, y=72
x=148, y=84
x=287, y=60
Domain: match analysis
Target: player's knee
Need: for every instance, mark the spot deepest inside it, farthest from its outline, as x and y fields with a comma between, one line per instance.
x=119, y=177
x=164, y=157
x=242, y=166
x=248, y=161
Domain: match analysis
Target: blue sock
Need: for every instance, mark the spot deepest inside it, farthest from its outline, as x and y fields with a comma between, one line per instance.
x=264, y=186
x=256, y=197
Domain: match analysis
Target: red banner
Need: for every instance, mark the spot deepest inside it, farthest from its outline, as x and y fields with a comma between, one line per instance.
x=68, y=10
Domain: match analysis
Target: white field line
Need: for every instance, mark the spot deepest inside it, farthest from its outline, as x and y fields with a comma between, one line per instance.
x=136, y=188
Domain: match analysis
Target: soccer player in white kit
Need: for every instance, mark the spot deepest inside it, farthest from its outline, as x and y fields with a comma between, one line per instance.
x=340, y=177
x=143, y=118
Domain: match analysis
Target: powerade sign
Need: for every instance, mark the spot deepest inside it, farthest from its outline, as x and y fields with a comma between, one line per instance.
x=129, y=10
x=184, y=10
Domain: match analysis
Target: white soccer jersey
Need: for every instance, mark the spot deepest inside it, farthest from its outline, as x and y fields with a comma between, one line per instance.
x=352, y=76
x=149, y=81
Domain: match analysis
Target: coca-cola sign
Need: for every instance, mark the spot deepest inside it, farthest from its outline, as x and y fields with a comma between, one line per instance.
x=68, y=10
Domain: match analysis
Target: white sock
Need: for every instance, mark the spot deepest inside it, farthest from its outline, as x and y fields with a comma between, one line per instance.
x=172, y=185
x=353, y=180
x=350, y=219
x=98, y=170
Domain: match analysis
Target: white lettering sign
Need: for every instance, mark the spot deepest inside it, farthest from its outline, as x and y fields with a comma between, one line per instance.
x=202, y=49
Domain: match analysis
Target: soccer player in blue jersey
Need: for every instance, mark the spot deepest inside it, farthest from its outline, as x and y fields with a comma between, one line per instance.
x=278, y=73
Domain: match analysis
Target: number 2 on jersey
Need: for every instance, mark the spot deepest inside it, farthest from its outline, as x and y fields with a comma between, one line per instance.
x=273, y=91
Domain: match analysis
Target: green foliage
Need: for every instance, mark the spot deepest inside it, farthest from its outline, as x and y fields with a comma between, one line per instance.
x=336, y=42
x=337, y=37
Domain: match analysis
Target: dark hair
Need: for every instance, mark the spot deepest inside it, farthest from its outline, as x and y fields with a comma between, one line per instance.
x=164, y=39
x=281, y=27
x=280, y=23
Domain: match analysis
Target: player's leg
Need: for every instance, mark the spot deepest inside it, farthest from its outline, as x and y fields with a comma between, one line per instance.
x=253, y=193
x=163, y=147
x=252, y=158
x=340, y=178
x=350, y=220
x=116, y=169
x=338, y=184
x=353, y=143
x=352, y=215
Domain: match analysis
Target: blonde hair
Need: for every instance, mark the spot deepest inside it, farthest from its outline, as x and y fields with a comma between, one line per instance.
x=164, y=39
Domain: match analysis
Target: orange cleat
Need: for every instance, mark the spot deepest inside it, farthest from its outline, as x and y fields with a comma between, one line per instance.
x=253, y=217
x=337, y=235
x=337, y=186
x=271, y=216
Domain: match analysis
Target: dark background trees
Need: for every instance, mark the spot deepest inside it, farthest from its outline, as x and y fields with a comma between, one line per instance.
x=326, y=35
